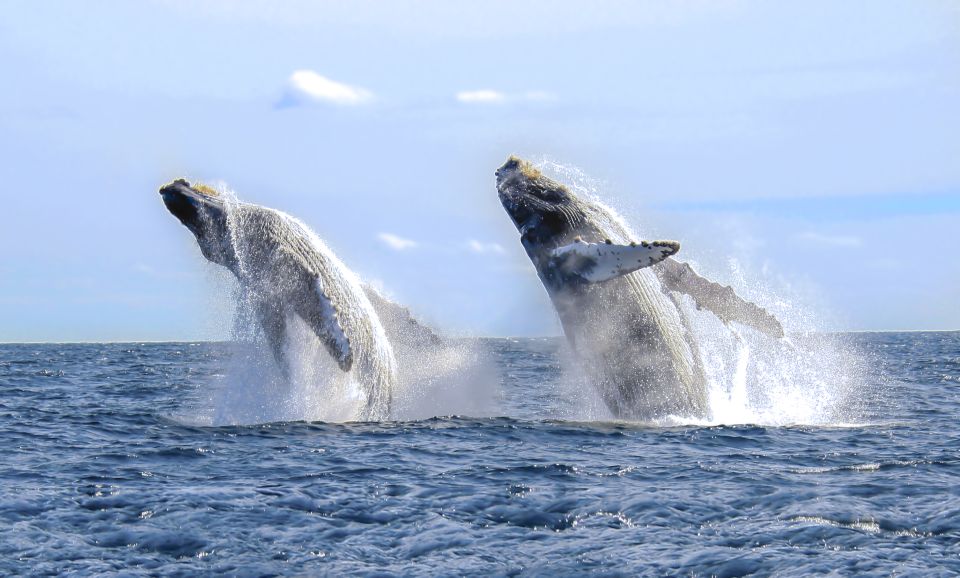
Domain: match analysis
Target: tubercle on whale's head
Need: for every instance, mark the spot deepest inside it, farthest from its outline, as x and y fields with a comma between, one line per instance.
x=544, y=211
x=201, y=209
x=205, y=190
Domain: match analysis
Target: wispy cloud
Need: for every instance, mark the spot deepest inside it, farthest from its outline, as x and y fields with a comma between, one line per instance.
x=829, y=240
x=490, y=96
x=484, y=248
x=309, y=86
x=485, y=96
x=396, y=242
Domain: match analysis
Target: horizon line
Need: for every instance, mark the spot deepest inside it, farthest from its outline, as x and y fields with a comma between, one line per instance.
x=165, y=341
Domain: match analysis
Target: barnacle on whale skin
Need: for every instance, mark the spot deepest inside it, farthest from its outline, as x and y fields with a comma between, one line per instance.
x=206, y=190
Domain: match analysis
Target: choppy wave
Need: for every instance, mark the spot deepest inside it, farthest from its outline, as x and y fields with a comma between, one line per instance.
x=100, y=475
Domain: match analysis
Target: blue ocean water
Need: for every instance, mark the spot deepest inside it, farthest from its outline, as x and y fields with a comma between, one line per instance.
x=102, y=474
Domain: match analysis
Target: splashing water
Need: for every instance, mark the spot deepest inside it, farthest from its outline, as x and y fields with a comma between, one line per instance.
x=808, y=377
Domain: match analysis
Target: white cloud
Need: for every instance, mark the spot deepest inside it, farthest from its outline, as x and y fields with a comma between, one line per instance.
x=830, y=240
x=396, y=242
x=485, y=96
x=489, y=96
x=308, y=85
x=483, y=248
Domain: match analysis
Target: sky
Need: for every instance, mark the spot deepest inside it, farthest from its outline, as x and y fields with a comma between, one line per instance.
x=808, y=153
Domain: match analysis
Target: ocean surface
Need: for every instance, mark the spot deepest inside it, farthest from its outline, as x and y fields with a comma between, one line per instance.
x=106, y=470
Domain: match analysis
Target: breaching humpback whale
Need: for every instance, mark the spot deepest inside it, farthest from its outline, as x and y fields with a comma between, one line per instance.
x=288, y=272
x=617, y=299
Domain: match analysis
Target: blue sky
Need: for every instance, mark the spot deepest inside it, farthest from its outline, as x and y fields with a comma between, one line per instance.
x=808, y=152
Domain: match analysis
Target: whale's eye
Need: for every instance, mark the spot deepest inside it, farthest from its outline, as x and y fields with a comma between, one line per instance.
x=553, y=196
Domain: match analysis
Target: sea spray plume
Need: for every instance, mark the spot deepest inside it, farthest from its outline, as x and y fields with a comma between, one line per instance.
x=617, y=305
x=437, y=375
x=286, y=273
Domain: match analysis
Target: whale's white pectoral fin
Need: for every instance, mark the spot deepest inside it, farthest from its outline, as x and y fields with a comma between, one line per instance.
x=718, y=299
x=323, y=318
x=310, y=301
x=596, y=262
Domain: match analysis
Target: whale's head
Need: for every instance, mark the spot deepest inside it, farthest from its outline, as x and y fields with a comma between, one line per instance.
x=202, y=210
x=545, y=212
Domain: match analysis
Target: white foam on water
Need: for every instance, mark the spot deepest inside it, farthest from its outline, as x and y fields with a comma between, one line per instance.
x=254, y=390
x=809, y=379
